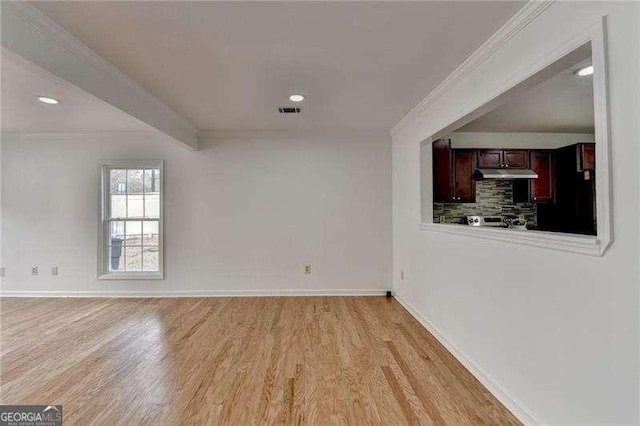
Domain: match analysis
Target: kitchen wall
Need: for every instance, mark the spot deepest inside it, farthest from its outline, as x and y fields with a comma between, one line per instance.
x=557, y=333
x=242, y=216
x=493, y=197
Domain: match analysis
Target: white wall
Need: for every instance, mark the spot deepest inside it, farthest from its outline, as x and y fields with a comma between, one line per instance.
x=557, y=332
x=243, y=214
x=474, y=140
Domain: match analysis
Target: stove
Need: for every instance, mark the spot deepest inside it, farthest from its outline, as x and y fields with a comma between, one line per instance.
x=493, y=221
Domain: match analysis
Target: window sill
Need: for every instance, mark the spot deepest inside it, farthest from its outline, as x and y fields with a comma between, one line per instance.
x=131, y=276
x=583, y=244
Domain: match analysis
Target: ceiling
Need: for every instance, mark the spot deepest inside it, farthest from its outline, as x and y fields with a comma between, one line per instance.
x=78, y=112
x=561, y=104
x=229, y=65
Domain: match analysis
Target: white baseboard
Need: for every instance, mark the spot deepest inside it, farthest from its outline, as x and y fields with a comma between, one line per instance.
x=513, y=404
x=195, y=293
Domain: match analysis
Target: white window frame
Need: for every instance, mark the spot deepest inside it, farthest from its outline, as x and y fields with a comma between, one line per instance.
x=103, y=220
x=583, y=244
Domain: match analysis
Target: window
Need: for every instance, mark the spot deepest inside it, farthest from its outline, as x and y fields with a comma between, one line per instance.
x=130, y=239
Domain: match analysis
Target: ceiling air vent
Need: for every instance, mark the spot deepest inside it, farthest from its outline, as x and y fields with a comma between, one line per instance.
x=289, y=110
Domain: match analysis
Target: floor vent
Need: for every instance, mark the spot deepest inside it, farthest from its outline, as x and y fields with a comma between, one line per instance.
x=289, y=110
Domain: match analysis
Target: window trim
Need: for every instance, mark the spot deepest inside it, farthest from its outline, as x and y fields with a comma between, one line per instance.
x=103, y=208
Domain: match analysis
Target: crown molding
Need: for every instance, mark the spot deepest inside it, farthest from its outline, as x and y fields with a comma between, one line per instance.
x=20, y=19
x=525, y=16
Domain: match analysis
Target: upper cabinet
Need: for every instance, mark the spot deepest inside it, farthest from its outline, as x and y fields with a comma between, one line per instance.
x=503, y=158
x=490, y=159
x=516, y=158
x=453, y=170
x=442, y=173
x=586, y=156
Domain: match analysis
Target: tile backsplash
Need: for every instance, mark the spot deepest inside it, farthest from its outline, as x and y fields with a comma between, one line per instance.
x=493, y=197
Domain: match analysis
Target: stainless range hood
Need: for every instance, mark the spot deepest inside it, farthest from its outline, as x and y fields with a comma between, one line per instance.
x=506, y=174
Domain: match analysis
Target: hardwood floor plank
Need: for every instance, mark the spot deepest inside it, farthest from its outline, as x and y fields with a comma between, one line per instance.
x=264, y=360
x=401, y=397
x=425, y=399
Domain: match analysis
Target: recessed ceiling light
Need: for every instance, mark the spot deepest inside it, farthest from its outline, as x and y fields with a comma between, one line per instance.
x=586, y=71
x=48, y=100
x=296, y=98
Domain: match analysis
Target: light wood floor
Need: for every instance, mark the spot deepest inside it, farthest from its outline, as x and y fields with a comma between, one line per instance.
x=302, y=360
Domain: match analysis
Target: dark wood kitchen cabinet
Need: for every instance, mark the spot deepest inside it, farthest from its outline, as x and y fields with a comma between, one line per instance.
x=586, y=156
x=516, y=158
x=453, y=173
x=503, y=158
x=489, y=159
x=542, y=188
x=464, y=184
x=442, y=171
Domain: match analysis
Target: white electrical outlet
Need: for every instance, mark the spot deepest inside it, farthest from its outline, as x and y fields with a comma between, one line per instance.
x=34, y=270
x=307, y=269
x=1, y=271
x=54, y=270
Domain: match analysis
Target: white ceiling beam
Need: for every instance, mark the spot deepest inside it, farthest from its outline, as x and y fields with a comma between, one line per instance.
x=32, y=35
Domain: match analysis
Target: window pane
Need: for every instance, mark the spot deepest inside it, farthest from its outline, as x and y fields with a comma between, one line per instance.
x=116, y=258
x=152, y=193
x=150, y=259
x=134, y=233
x=133, y=259
x=152, y=205
x=152, y=181
x=118, y=206
x=116, y=233
x=134, y=205
x=134, y=193
x=118, y=181
x=134, y=181
x=150, y=233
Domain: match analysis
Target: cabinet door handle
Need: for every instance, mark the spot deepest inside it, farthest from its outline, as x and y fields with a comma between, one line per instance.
x=506, y=165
